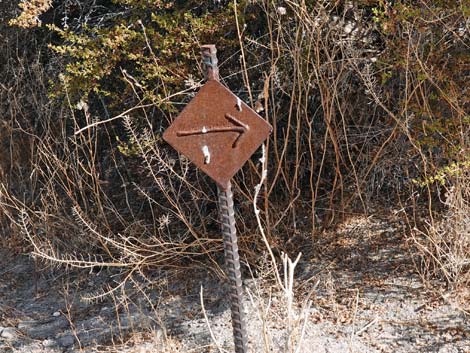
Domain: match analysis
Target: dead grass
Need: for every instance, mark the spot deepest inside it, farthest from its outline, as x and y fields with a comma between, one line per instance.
x=444, y=245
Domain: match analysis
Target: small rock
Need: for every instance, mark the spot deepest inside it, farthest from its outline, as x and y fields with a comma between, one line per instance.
x=56, y=313
x=281, y=10
x=47, y=343
x=66, y=341
x=9, y=333
x=45, y=328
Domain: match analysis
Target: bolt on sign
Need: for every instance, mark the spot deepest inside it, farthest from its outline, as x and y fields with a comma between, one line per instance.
x=217, y=132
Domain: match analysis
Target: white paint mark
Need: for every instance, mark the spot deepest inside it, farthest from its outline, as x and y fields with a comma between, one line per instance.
x=207, y=154
x=204, y=130
x=239, y=104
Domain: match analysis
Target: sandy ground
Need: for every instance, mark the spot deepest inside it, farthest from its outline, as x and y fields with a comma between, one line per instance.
x=356, y=291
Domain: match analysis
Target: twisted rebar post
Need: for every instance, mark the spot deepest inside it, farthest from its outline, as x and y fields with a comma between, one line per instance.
x=232, y=264
x=229, y=232
x=210, y=62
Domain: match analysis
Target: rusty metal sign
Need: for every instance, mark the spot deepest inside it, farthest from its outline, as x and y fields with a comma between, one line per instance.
x=217, y=132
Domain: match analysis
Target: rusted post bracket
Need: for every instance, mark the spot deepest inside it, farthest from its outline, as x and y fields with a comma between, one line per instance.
x=229, y=232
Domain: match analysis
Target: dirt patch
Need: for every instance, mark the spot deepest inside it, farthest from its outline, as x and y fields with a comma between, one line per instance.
x=364, y=295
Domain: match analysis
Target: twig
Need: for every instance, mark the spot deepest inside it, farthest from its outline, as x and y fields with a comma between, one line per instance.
x=201, y=296
x=264, y=174
x=124, y=114
x=367, y=326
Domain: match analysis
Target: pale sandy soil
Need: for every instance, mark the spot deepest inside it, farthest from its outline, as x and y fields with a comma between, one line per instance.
x=365, y=296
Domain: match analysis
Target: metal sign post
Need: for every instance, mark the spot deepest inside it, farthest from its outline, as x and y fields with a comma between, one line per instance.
x=219, y=133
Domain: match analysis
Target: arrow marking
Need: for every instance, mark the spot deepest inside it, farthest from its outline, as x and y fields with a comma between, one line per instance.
x=240, y=128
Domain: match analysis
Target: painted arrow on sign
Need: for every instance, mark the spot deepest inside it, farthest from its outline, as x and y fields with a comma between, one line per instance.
x=238, y=127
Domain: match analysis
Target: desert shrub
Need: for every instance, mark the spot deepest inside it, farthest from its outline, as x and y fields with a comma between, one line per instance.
x=364, y=98
x=424, y=75
x=124, y=199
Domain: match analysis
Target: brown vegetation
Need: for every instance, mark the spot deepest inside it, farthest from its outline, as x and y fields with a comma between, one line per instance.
x=369, y=103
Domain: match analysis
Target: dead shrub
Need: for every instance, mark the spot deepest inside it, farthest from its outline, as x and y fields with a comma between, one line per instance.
x=444, y=245
x=363, y=98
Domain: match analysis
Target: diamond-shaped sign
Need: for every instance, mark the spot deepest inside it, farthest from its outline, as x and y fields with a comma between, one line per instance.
x=217, y=132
